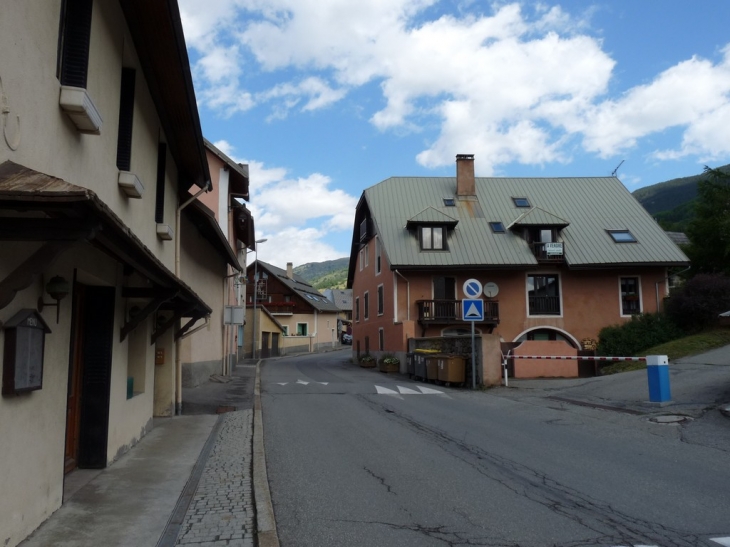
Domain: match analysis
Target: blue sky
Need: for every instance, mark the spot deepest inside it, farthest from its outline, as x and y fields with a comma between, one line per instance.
x=324, y=98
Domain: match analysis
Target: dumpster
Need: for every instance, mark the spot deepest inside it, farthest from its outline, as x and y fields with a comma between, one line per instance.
x=411, y=364
x=451, y=369
x=420, y=362
x=432, y=367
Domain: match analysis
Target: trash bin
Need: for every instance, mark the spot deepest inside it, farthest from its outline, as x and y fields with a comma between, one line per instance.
x=451, y=369
x=411, y=364
x=432, y=367
x=419, y=366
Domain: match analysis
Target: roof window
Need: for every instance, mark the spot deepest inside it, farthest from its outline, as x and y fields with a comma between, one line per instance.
x=521, y=202
x=622, y=236
x=449, y=202
x=497, y=227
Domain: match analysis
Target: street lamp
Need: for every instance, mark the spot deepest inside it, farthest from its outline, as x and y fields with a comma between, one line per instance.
x=255, y=296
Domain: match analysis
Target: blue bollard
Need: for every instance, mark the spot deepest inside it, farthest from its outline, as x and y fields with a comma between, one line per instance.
x=657, y=371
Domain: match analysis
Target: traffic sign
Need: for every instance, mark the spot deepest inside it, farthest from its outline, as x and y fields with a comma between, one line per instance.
x=472, y=309
x=472, y=288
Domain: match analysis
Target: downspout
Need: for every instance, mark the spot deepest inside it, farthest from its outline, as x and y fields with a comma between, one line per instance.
x=314, y=335
x=227, y=341
x=663, y=281
x=408, y=298
x=178, y=362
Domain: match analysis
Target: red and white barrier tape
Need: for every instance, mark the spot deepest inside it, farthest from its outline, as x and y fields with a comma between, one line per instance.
x=573, y=357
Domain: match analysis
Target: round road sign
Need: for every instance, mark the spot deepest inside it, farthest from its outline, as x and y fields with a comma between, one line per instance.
x=472, y=288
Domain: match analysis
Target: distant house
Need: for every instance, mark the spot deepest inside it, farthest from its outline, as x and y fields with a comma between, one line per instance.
x=289, y=316
x=559, y=259
x=679, y=238
x=342, y=298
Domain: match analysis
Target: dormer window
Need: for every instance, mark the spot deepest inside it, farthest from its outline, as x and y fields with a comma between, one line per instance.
x=521, y=202
x=432, y=238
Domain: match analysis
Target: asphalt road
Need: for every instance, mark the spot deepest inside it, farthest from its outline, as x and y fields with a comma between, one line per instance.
x=349, y=466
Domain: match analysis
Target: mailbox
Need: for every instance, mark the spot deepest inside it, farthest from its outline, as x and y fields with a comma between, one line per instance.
x=25, y=336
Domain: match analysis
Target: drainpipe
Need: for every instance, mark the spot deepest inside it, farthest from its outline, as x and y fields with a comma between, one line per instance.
x=664, y=281
x=408, y=297
x=178, y=362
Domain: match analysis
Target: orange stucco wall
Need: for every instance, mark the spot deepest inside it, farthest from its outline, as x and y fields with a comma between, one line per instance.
x=534, y=368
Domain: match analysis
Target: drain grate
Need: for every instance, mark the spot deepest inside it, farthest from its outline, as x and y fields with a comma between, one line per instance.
x=670, y=419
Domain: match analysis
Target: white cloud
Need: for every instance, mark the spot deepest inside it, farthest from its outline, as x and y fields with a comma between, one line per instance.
x=296, y=215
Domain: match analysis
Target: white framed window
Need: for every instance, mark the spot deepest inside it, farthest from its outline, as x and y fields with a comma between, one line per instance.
x=302, y=329
x=378, y=260
x=381, y=299
x=630, y=295
x=432, y=238
x=367, y=255
x=544, y=295
x=357, y=308
x=285, y=329
x=362, y=258
x=365, y=305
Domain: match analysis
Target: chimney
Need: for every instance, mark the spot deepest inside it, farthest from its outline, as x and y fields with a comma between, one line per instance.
x=465, y=185
x=289, y=270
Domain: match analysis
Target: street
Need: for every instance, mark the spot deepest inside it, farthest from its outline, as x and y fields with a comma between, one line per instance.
x=356, y=457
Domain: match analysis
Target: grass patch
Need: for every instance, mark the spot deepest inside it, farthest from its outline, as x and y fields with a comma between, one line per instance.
x=681, y=347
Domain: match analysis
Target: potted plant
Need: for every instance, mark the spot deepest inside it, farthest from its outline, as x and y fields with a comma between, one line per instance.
x=389, y=363
x=367, y=361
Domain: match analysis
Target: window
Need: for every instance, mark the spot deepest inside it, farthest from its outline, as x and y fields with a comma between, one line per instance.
x=432, y=237
x=521, y=202
x=367, y=256
x=357, y=308
x=126, y=117
x=381, y=303
x=543, y=294
x=301, y=329
x=449, y=202
x=622, y=236
x=160, y=195
x=381, y=339
x=362, y=259
x=378, y=251
x=73, y=62
x=630, y=295
x=497, y=227
x=285, y=330
x=365, y=304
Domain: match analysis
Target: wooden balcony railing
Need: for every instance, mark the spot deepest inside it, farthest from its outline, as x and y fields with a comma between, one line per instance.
x=446, y=312
x=544, y=305
x=549, y=252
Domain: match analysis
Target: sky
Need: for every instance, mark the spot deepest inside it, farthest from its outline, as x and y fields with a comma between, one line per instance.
x=325, y=98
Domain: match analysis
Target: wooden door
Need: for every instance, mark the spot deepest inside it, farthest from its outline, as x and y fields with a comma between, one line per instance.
x=73, y=405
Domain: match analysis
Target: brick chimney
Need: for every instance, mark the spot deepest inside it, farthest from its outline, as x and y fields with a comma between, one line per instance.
x=289, y=270
x=465, y=185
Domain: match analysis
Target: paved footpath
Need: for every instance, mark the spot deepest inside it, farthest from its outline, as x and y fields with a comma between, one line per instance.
x=221, y=512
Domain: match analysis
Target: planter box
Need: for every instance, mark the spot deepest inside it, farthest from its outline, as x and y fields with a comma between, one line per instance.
x=367, y=364
x=391, y=367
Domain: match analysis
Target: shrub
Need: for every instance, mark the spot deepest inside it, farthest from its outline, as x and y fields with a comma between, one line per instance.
x=696, y=304
x=388, y=359
x=367, y=358
x=642, y=332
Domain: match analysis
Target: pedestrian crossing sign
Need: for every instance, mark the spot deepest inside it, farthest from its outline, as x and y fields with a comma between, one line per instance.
x=472, y=309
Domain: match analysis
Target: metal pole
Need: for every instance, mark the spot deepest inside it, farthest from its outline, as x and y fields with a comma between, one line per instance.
x=473, y=359
x=255, y=296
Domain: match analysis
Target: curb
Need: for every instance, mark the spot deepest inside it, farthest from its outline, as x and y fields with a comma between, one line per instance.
x=725, y=410
x=265, y=521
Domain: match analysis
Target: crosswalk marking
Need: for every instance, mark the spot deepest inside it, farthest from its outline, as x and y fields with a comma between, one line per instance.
x=302, y=382
x=407, y=391
x=429, y=391
x=385, y=391
x=725, y=542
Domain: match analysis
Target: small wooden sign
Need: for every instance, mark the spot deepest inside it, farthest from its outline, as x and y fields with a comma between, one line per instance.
x=589, y=344
x=160, y=356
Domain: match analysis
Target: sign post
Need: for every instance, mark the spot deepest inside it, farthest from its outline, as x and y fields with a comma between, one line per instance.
x=472, y=309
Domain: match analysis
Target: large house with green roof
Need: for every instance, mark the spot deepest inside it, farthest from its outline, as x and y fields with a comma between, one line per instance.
x=559, y=258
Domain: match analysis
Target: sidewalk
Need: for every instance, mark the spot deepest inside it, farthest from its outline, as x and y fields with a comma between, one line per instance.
x=698, y=384
x=189, y=481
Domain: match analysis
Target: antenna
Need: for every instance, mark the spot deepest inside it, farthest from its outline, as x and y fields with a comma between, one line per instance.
x=613, y=173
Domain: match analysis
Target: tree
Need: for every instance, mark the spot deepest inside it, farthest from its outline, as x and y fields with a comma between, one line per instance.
x=709, y=231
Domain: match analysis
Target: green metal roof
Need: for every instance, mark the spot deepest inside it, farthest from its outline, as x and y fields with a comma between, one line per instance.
x=587, y=206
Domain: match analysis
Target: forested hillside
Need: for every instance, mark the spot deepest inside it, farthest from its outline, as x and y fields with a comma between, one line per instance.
x=331, y=274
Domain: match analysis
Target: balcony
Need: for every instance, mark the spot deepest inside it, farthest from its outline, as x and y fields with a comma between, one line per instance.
x=548, y=253
x=544, y=305
x=448, y=312
x=278, y=308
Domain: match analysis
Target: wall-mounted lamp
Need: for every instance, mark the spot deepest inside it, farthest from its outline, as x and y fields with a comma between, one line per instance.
x=58, y=288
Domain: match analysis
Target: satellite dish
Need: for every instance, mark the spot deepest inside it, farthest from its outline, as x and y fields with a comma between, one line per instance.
x=491, y=290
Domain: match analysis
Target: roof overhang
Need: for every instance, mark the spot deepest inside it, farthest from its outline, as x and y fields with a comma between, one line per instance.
x=61, y=214
x=204, y=220
x=238, y=173
x=243, y=226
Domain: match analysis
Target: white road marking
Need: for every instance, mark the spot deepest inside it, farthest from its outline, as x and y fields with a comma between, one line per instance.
x=323, y=383
x=302, y=382
x=282, y=383
x=385, y=391
x=407, y=391
x=429, y=391
x=725, y=542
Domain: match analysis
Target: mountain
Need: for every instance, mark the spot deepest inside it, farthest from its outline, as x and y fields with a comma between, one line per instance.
x=672, y=202
x=330, y=274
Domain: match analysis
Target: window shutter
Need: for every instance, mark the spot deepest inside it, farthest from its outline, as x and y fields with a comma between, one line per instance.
x=75, y=45
x=126, y=117
x=160, y=196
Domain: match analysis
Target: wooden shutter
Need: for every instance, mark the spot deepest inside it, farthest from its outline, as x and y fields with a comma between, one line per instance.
x=126, y=117
x=98, y=339
x=160, y=196
x=75, y=42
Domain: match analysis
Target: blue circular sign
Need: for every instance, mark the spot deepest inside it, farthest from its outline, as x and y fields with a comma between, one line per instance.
x=472, y=288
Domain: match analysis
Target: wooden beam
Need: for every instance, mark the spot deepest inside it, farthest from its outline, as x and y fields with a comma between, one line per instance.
x=182, y=330
x=144, y=314
x=25, y=275
x=46, y=229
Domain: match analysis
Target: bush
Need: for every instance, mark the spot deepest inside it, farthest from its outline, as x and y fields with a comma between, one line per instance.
x=388, y=359
x=696, y=304
x=642, y=332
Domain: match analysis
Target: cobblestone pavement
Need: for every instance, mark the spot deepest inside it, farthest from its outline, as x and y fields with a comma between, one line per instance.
x=222, y=511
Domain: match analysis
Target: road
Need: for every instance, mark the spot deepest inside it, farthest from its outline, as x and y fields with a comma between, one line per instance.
x=356, y=457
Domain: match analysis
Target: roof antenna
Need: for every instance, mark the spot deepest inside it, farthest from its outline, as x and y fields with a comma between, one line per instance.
x=613, y=173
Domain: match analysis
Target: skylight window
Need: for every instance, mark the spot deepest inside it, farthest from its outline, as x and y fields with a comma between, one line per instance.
x=497, y=227
x=622, y=236
x=521, y=202
x=449, y=202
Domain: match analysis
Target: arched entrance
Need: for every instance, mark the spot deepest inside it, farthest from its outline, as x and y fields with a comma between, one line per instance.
x=548, y=333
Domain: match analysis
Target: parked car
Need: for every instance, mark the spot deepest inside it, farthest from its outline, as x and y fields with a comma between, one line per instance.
x=347, y=339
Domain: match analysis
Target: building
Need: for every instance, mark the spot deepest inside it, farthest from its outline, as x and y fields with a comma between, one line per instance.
x=101, y=145
x=342, y=298
x=559, y=258
x=287, y=315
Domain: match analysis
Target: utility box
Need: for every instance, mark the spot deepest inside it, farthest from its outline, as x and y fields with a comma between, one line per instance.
x=451, y=369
